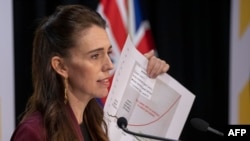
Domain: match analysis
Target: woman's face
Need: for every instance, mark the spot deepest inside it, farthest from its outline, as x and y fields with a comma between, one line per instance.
x=89, y=64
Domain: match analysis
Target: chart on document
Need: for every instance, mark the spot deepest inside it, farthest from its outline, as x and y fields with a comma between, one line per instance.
x=157, y=106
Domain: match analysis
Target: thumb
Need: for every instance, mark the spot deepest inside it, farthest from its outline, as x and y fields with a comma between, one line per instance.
x=149, y=54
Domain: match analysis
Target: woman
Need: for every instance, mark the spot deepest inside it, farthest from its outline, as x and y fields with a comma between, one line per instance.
x=70, y=68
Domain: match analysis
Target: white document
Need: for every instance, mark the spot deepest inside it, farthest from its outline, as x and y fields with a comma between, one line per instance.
x=158, y=107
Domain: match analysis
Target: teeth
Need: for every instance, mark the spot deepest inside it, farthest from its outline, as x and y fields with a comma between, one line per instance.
x=104, y=80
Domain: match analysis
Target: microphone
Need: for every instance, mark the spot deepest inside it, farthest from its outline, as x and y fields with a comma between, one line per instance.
x=202, y=125
x=122, y=123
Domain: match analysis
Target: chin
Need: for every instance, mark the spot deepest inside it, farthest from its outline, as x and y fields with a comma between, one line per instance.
x=102, y=94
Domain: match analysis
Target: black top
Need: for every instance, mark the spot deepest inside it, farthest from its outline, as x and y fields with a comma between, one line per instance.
x=85, y=132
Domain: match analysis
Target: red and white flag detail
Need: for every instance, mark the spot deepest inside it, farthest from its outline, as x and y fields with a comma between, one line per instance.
x=125, y=17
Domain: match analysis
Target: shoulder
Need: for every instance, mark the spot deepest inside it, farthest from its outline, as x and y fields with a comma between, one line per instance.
x=31, y=129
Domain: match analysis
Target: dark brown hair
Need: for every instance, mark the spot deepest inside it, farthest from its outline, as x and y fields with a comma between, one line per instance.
x=54, y=37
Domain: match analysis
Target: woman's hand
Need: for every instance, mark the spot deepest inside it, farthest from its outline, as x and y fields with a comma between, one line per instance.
x=155, y=66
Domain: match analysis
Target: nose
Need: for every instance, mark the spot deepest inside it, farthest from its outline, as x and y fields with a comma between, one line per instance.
x=108, y=65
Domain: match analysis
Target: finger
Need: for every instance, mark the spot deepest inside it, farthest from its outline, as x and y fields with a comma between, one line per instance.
x=151, y=64
x=165, y=67
x=154, y=67
x=159, y=67
x=149, y=54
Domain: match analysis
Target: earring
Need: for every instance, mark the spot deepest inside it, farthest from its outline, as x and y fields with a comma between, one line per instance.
x=65, y=91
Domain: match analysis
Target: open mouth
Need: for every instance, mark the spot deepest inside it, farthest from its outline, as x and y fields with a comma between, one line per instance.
x=104, y=82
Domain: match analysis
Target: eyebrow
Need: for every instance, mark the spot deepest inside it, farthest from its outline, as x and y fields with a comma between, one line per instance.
x=98, y=49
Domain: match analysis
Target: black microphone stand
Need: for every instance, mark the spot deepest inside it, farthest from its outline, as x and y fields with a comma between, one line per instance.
x=144, y=135
x=122, y=123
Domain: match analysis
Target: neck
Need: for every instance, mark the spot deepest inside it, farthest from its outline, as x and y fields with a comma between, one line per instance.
x=78, y=106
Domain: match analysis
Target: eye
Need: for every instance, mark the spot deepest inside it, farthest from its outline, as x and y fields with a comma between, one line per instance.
x=109, y=52
x=95, y=56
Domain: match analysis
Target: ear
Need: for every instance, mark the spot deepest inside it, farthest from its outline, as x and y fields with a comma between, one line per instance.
x=58, y=65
